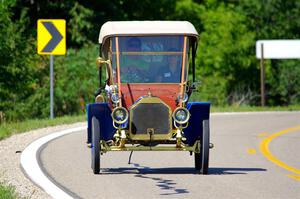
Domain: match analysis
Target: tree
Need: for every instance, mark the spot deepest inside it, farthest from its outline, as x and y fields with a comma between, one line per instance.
x=276, y=19
x=223, y=52
x=15, y=55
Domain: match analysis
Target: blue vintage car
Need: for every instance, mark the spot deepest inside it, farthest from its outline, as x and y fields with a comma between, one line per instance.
x=144, y=103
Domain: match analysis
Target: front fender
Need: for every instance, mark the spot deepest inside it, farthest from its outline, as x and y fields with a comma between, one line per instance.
x=103, y=113
x=199, y=111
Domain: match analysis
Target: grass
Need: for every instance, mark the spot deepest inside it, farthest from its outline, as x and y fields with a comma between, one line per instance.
x=254, y=108
x=8, y=129
x=7, y=192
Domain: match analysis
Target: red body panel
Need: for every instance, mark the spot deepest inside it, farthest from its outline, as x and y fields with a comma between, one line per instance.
x=166, y=92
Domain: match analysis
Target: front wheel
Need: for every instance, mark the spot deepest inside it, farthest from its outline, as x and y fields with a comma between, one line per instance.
x=95, y=145
x=202, y=158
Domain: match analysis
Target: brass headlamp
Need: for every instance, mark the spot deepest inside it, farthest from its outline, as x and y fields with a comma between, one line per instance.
x=181, y=115
x=119, y=115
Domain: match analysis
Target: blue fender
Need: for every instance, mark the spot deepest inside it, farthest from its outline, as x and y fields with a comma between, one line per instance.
x=103, y=113
x=199, y=111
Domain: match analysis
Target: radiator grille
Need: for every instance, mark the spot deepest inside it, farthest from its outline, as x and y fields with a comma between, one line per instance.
x=150, y=115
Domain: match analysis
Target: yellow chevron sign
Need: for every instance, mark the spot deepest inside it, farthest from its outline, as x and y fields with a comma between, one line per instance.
x=51, y=36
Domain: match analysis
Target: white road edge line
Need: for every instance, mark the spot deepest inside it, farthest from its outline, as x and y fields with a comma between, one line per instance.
x=30, y=164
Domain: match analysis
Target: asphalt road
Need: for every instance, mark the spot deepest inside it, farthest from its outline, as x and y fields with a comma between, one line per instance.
x=238, y=168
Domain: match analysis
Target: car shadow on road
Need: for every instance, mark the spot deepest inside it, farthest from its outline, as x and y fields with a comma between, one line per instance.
x=167, y=186
x=232, y=171
x=138, y=169
x=148, y=170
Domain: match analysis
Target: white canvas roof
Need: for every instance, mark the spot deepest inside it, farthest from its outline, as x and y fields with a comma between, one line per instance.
x=112, y=28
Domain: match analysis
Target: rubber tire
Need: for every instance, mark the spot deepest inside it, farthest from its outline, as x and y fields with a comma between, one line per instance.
x=95, y=149
x=202, y=158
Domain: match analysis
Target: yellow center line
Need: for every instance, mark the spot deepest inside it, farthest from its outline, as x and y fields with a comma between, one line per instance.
x=294, y=177
x=262, y=134
x=251, y=151
x=264, y=148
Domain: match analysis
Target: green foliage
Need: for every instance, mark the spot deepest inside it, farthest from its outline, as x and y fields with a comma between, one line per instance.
x=9, y=128
x=284, y=82
x=231, y=47
x=276, y=19
x=272, y=19
x=76, y=79
x=226, y=66
x=7, y=192
x=15, y=55
x=24, y=76
x=79, y=24
x=190, y=11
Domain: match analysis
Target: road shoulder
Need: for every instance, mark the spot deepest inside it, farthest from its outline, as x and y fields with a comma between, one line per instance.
x=10, y=168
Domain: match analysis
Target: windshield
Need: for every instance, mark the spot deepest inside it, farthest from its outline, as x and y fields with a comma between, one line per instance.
x=149, y=59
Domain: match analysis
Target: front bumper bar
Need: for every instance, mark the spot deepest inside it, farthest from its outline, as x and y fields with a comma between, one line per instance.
x=195, y=148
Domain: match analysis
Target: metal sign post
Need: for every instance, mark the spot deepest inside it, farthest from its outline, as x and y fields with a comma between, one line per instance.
x=51, y=88
x=51, y=40
x=262, y=77
x=274, y=49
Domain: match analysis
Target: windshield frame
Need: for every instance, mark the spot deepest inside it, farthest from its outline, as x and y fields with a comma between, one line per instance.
x=115, y=53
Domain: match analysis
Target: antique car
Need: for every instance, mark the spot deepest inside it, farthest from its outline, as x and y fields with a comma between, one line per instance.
x=143, y=104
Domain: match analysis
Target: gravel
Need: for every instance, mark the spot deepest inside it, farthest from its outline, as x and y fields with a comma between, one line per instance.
x=11, y=172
